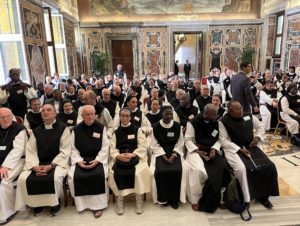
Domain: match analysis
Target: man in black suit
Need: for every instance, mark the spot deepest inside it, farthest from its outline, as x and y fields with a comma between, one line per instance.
x=241, y=88
x=176, y=69
x=187, y=69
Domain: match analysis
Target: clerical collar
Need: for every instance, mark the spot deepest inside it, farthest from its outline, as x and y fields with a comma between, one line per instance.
x=49, y=126
x=206, y=121
x=35, y=112
x=161, y=122
x=126, y=125
x=154, y=113
x=68, y=113
x=135, y=110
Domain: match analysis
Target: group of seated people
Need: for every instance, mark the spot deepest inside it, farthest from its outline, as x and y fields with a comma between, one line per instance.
x=167, y=143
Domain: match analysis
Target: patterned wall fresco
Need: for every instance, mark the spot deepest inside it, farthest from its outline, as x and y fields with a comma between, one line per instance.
x=153, y=50
x=292, y=48
x=227, y=42
x=92, y=41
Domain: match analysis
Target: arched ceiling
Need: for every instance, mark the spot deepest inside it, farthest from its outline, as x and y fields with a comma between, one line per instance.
x=114, y=11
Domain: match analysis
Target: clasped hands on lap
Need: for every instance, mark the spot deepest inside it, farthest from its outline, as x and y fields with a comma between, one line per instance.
x=125, y=157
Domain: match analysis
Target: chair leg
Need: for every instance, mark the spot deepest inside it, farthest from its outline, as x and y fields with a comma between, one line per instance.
x=276, y=129
x=65, y=192
x=287, y=133
x=145, y=197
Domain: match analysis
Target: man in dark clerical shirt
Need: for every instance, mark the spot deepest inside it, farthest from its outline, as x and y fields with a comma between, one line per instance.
x=16, y=93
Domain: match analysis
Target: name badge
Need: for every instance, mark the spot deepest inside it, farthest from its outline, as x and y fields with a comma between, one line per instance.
x=131, y=136
x=96, y=135
x=2, y=148
x=136, y=118
x=214, y=133
x=19, y=91
x=191, y=117
x=246, y=118
x=170, y=134
x=70, y=121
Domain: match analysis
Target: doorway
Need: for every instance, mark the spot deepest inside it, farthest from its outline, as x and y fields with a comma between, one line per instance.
x=188, y=46
x=122, y=53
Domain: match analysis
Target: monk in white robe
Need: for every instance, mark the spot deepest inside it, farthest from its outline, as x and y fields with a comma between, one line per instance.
x=128, y=169
x=13, y=139
x=168, y=167
x=47, y=154
x=89, y=159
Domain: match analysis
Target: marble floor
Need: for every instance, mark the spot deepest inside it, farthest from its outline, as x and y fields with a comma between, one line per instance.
x=286, y=209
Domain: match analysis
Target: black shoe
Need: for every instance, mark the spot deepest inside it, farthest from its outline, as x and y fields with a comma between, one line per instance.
x=8, y=219
x=267, y=204
x=174, y=205
x=37, y=211
x=55, y=210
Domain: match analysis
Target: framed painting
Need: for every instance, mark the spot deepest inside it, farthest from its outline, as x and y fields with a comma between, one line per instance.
x=37, y=58
x=32, y=19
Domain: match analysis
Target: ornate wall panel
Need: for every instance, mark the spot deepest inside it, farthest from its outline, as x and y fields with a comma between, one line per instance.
x=271, y=36
x=226, y=44
x=292, y=47
x=92, y=41
x=153, y=50
x=35, y=41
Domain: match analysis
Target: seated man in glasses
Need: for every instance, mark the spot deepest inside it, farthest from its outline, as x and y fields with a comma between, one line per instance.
x=254, y=170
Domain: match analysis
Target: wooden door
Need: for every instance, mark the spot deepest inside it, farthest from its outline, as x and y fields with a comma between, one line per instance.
x=122, y=54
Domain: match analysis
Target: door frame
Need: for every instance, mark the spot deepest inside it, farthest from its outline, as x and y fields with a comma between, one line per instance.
x=133, y=38
x=193, y=29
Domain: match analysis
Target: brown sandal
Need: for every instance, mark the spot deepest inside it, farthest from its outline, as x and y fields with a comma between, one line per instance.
x=97, y=213
x=195, y=207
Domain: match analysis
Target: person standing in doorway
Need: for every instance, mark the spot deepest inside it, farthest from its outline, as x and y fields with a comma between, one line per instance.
x=176, y=69
x=187, y=69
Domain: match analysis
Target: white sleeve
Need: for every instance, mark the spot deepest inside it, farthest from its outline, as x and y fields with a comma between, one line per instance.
x=18, y=150
x=264, y=98
x=104, y=152
x=225, y=140
x=195, y=103
x=286, y=108
x=31, y=93
x=3, y=96
x=155, y=147
x=79, y=117
x=75, y=154
x=189, y=139
x=259, y=127
x=180, y=144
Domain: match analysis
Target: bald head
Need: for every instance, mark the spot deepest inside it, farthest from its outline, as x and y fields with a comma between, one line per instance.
x=6, y=117
x=89, y=97
x=235, y=109
x=88, y=114
x=210, y=112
